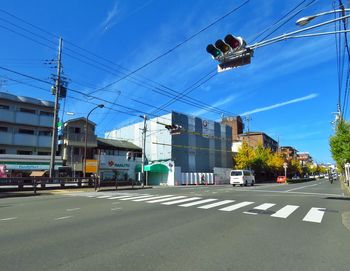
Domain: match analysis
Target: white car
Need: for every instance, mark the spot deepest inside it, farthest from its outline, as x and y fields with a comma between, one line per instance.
x=242, y=177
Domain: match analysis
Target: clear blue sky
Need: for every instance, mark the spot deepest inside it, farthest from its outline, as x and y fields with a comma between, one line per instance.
x=289, y=90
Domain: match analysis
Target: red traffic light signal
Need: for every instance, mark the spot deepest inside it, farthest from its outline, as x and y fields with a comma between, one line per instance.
x=215, y=52
x=235, y=42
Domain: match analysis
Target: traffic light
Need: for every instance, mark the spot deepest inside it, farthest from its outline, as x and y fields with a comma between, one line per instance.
x=222, y=46
x=231, y=52
x=174, y=129
x=235, y=43
x=211, y=49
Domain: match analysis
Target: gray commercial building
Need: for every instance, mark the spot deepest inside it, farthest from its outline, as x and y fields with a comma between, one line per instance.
x=198, y=146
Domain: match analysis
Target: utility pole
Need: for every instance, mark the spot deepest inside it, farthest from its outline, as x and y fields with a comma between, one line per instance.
x=144, y=130
x=55, y=113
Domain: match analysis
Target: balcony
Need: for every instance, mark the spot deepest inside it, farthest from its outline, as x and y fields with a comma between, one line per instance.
x=27, y=118
x=44, y=141
x=46, y=121
x=5, y=138
x=7, y=115
x=79, y=140
x=25, y=140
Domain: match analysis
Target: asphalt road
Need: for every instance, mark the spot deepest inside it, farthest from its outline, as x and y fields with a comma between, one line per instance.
x=266, y=227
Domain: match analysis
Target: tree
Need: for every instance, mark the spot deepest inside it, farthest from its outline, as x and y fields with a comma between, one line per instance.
x=244, y=157
x=339, y=143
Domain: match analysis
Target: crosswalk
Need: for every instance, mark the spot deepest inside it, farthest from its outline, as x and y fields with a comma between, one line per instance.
x=314, y=215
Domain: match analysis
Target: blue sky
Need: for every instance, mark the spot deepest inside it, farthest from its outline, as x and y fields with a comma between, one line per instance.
x=289, y=90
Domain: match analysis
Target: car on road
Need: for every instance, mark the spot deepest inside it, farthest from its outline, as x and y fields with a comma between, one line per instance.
x=281, y=179
x=242, y=177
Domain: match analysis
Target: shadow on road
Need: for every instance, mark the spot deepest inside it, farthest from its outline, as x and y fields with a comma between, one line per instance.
x=339, y=198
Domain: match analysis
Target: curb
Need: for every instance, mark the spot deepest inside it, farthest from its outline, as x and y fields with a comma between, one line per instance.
x=345, y=188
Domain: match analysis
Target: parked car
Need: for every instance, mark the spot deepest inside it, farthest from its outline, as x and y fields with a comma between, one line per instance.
x=242, y=177
x=281, y=179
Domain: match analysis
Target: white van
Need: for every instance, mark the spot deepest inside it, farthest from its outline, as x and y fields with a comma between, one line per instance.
x=242, y=177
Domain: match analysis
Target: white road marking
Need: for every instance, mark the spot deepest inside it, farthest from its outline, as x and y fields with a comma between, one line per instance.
x=197, y=202
x=155, y=197
x=285, y=211
x=63, y=217
x=72, y=209
x=284, y=192
x=212, y=205
x=180, y=201
x=262, y=207
x=315, y=215
x=103, y=197
x=116, y=209
x=8, y=218
x=236, y=206
x=137, y=197
x=167, y=199
x=305, y=186
x=119, y=197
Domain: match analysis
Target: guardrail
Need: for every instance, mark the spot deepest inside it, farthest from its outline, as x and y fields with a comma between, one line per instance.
x=34, y=182
x=45, y=182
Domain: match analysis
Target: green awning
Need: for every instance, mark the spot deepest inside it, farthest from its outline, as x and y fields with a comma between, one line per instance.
x=160, y=168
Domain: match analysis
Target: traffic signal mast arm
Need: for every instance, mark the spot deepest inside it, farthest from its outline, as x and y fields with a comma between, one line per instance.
x=234, y=52
x=291, y=34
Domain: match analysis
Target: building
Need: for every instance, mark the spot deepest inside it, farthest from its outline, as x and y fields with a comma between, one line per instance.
x=72, y=143
x=109, y=155
x=288, y=152
x=25, y=133
x=304, y=157
x=118, y=159
x=236, y=124
x=197, y=145
x=255, y=139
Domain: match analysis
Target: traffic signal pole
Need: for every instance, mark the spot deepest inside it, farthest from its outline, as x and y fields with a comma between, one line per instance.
x=55, y=113
x=144, y=130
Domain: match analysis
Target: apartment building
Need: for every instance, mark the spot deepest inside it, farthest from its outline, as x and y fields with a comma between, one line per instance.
x=25, y=132
x=255, y=139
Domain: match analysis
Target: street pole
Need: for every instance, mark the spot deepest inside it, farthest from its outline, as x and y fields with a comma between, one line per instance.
x=55, y=113
x=86, y=136
x=144, y=130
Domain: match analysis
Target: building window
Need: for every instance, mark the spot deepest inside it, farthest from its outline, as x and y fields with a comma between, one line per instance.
x=44, y=113
x=26, y=131
x=44, y=133
x=3, y=129
x=74, y=130
x=3, y=106
x=76, y=151
x=24, y=152
x=2, y=151
x=27, y=110
x=43, y=153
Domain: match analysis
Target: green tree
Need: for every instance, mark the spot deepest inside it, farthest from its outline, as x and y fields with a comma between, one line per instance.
x=340, y=143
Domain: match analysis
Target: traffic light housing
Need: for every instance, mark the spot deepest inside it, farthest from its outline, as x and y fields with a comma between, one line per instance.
x=222, y=46
x=215, y=52
x=231, y=52
x=235, y=43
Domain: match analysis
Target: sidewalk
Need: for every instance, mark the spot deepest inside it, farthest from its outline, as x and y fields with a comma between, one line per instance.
x=345, y=187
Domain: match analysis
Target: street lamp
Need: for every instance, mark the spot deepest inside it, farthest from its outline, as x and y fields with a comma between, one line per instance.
x=305, y=20
x=86, y=130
